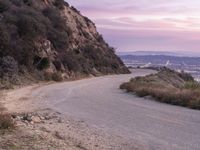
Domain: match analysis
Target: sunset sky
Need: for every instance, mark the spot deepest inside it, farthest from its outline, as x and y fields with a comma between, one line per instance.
x=159, y=25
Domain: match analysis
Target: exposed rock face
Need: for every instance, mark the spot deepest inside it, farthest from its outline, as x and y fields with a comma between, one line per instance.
x=51, y=36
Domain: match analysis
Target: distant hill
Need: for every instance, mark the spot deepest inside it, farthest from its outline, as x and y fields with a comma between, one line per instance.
x=46, y=39
x=141, y=53
x=166, y=53
x=188, y=64
x=162, y=59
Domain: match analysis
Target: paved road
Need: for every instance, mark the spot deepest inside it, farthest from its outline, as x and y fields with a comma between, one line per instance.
x=100, y=103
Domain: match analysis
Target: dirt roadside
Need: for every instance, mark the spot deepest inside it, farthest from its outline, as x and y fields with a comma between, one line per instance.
x=42, y=128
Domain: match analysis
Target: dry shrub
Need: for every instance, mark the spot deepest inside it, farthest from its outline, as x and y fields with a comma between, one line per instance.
x=57, y=77
x=6, y=121
x=187, y=96
x=47, y=76
x=192, y=85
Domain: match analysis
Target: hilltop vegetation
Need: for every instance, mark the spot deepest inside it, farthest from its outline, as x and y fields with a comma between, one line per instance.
x=41, y=39
x=167, y=86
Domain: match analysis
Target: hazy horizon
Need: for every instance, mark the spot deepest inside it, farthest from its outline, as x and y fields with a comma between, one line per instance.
x=146, y=25
x=156, y=52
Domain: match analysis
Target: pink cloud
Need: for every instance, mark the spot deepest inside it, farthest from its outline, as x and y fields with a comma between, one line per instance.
x=143, y=25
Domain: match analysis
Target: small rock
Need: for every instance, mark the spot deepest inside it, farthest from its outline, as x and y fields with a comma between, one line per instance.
x=27, y=118
x=26, y=122
x=59, y=136
x=18, y=118
x=96, y=145
x=35, y=119
x=32, y=122
x=19, y=123
x=60, y=120
x=45, y=129
x=42, y=118
x=14, y=116
x=47, y=117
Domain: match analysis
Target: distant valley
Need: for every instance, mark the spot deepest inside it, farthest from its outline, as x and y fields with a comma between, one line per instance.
x=186, y=63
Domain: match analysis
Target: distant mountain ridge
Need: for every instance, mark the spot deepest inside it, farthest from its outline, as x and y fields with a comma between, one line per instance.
x=186, y=63
x=161, y=57
x=166, y=53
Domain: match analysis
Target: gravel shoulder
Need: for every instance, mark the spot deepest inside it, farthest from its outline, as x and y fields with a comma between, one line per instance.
x=50, y=130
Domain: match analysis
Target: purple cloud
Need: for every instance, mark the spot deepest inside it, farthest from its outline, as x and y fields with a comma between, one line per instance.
x=146, y=25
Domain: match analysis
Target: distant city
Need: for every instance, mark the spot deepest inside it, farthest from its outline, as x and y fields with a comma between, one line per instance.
x=189, y=64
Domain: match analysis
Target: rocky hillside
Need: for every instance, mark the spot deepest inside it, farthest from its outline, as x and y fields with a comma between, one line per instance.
x=48, y=39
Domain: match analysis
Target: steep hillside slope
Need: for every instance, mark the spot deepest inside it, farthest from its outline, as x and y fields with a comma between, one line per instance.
x=51, y=39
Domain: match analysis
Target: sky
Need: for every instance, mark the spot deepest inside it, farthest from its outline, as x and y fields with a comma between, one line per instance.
x=155, y=25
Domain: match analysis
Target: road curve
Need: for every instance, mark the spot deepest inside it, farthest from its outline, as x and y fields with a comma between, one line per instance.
x=100, y=103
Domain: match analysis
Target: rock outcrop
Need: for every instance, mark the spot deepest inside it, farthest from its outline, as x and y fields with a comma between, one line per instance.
x=48, y=37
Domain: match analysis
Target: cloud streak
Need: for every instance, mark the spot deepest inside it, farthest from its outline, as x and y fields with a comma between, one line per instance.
x=146, y=25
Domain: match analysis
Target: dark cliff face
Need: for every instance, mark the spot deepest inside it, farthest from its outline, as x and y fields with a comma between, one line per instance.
x=48, y=36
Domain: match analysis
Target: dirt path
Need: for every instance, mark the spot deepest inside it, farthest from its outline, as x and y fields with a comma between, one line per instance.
x=126, y=121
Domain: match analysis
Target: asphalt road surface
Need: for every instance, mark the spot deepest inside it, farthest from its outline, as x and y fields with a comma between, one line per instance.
x=100, y=103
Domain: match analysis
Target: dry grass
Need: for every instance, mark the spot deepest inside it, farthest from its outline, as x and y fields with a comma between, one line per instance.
x=184, y=93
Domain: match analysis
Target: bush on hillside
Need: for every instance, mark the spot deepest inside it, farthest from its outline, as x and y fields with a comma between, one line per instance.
x=8, y=66
x=6, y=122
x=18, y=3
x=4, y=39
x=29, y=27
x=28, y=2
x=4, y=5
x=59, y=4
x=58, y=33
x=57, y=77
x=59, y=39
x=186, y=76
x=71, y=61
x=41, y=63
